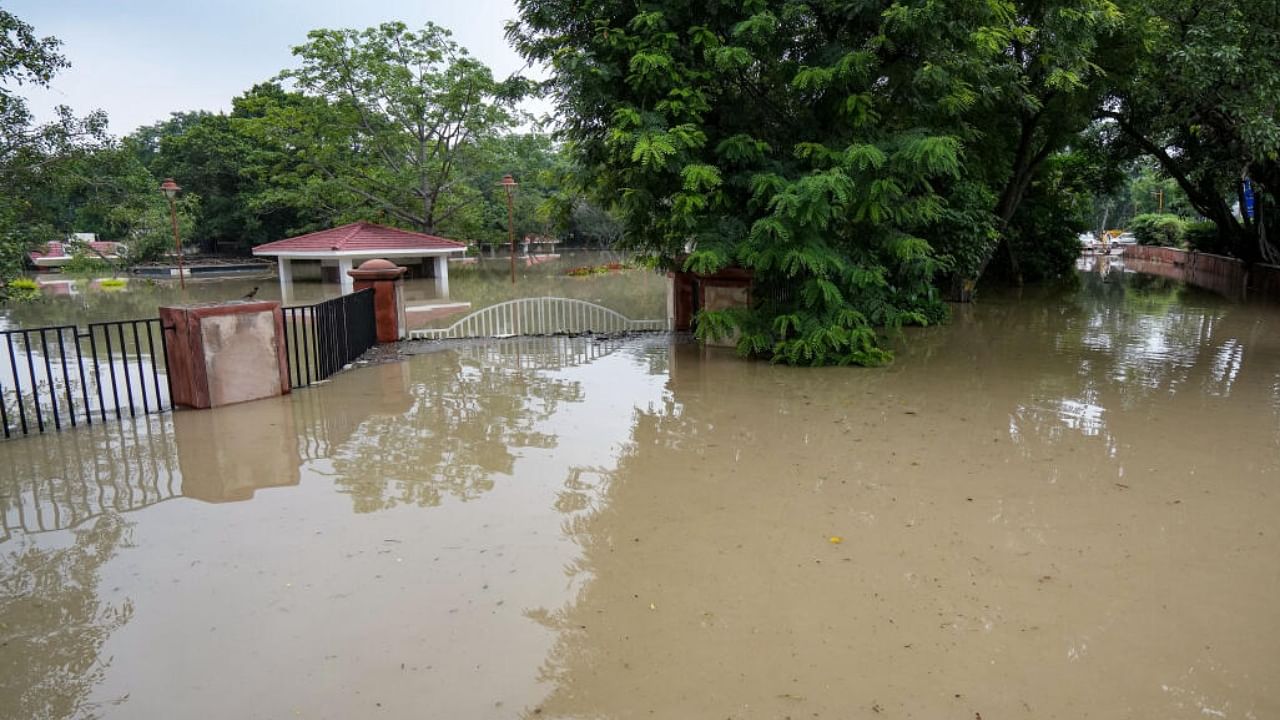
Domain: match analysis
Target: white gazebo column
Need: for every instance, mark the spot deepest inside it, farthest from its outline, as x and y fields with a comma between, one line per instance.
x=344, y=267
x=285, y=266
x=442, y=275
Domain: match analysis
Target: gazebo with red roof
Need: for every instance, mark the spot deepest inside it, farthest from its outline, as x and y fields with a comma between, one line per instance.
x=349, y=245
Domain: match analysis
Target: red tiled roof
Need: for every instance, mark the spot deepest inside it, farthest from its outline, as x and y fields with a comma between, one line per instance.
x=58, y=249
x=359, y=237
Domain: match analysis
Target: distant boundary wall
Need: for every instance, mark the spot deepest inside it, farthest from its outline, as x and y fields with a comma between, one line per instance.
x=1224, y=275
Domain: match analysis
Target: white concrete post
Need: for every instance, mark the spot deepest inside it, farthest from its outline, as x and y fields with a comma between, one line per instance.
x=285, y=266
x=344, y=276
x=442, y=276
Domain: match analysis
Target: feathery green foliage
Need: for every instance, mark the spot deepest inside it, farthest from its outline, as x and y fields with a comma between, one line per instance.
x=816, y=144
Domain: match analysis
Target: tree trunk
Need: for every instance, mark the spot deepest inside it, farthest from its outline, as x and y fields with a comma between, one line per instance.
x=1022, y=173
x=1203, y=196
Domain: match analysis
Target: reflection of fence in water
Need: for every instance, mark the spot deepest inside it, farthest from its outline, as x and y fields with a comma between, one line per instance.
x=541, y=352
x=59, y=482
x=324, y=424
x=62, y=376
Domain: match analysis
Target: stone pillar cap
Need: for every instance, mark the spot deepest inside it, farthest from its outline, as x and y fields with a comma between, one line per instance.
x=377, y=269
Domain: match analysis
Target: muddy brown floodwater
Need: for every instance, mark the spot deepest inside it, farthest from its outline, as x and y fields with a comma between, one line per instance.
x=1058, y=506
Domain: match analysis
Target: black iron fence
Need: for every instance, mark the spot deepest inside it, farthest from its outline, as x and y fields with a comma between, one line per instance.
x=64, y=376
x=321, y=339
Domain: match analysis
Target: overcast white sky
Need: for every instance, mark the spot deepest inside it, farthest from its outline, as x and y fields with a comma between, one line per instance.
x=139, y=61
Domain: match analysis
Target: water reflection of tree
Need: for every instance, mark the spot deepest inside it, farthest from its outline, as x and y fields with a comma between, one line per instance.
x=53, y=622
x=1081, y=361
x=615, y=646
x=466, y=421
x=1132, y=351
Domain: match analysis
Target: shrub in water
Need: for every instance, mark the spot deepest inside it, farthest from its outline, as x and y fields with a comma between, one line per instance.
x=22, y=290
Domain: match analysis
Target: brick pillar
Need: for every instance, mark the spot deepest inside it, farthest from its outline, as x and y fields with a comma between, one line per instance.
x=680, y=300
x=387, y=280
x=224, y=353
x=731, y=287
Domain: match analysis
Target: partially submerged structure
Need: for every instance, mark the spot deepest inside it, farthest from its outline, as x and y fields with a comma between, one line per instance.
x=56, y=254
x=340, y=249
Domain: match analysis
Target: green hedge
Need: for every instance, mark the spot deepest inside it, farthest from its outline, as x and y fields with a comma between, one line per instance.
x=1203, y=237
x=1161, y=230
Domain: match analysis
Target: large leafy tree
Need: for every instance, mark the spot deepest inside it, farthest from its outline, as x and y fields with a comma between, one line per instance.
x=394, y=114
x=1202, y=97
x=214, y=159
x=533, y=159
x=818, y=144
x=1043, y=88
x=31, y=153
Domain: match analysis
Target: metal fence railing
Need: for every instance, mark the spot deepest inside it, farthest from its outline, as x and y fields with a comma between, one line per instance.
x=540, y=316
x=64, y=376
x=321, y=339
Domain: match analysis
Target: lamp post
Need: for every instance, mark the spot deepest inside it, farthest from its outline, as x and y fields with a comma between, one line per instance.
x=170, y=190
x=509, y=183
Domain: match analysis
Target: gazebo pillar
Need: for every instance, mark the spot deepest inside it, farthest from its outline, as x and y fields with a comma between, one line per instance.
x=344, y=276
x=285, y=268
x=442, y=275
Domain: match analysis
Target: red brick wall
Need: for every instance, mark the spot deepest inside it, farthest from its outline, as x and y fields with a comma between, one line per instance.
x=1221, y=274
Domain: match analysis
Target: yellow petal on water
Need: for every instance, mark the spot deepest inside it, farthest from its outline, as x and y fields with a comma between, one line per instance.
x=835, y=539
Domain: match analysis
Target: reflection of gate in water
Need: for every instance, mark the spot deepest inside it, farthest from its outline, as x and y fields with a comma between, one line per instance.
x=541, y=352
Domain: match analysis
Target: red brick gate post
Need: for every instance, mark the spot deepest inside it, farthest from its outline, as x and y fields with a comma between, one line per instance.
x=387, y=280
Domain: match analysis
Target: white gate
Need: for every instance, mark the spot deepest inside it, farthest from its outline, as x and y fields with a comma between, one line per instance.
x=540, y=316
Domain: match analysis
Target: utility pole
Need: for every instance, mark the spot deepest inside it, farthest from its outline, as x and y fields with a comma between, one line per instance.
x=170, y=190
x=509, y=183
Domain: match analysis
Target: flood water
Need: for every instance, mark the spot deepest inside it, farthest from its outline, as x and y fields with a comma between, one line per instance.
x=637, y=293
x=1060, y=505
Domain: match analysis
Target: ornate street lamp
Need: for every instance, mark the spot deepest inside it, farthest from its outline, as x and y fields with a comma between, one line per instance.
x=509, y=183
x=170, y=190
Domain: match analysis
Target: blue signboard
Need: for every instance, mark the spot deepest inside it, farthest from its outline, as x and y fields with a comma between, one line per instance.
x=1248, y=200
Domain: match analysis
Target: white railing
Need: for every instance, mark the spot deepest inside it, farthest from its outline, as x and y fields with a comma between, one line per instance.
x=539, y=316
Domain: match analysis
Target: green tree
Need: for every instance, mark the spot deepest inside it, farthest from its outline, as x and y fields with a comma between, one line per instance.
x=590, y=224
x=29, y=152
x=282, y=193
x=211, y=159
x=817, y=144
x=1044, y=233
x=394, y=115
x=1202, y=98
x=1042, y=89
x=532, y=159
